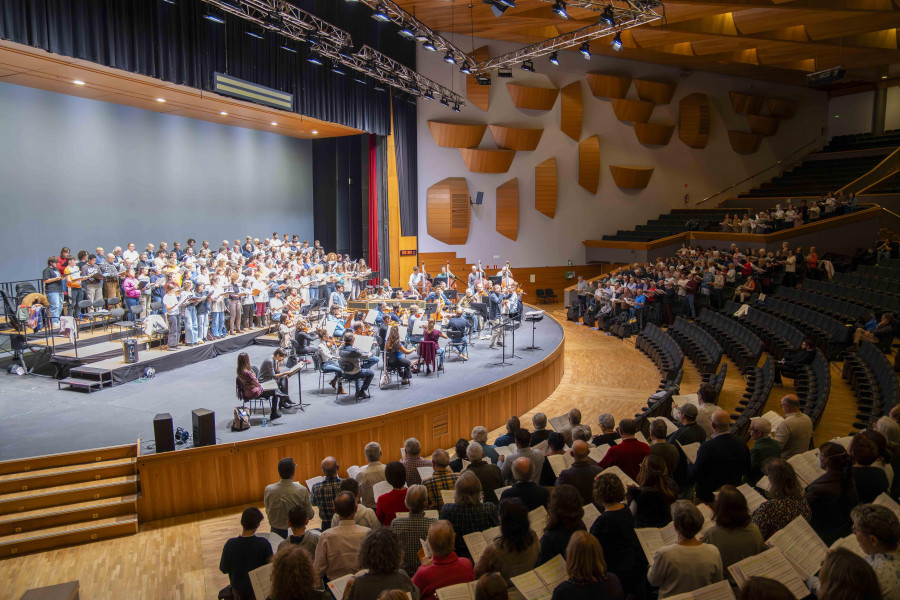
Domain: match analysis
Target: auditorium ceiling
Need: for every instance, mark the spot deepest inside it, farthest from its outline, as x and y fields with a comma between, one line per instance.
x=773, y=40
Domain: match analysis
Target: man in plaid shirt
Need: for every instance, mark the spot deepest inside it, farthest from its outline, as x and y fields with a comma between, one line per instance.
x=413, y=528
x=412, y=461
x=324, y=492
x=442, y=479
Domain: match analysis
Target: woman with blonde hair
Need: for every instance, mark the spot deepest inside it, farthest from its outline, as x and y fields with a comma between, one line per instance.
x=588, y=577
x=785, y=501
x=293, y=576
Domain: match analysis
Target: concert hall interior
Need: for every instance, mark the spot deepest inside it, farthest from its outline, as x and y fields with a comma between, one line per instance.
x=453, y=300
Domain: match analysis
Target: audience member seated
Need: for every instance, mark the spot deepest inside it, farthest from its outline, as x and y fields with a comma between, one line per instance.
x=794, y=434
x=871, y=481
x=324, y=492
x=588, y=576
x=491, y=586
x=365, y=516
x=371, y=473
x=480, y=436
x=877, y=333
x=413, y=528
x=689, y=432
x=489, y=475
x=380, y=556
x=518, y=548
x=627, y=454
x=890, y=429
x=793, y=363
x=733, y=534
x=832, y=495
x=523, y=449
x=721, y=459
x=467, y=513
x=307, y=539
x=846, y=576
x=540, y=433
x=608, y=434
x=706, y=397
x=530, y=493
x=293, y=577
x=281, y=497
x=669, y=453
x=764, y=448
x=556, y=444
x=564, y=517
x=444, y=568
x=456, y=465
x=878, y=533
x=688, y=564
x=884, y=459
x=245, y=553
x=337, y=553
x=442, y=479
x=763, y=588
x=614, y=529
x=581, y=473
x=512, y=426
x=651, y=502
x=785, y=500
x=390, y=503
x=574, y=418
x=412, y=461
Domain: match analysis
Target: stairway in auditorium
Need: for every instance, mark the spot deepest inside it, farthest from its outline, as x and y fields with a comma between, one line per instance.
x=60, y=500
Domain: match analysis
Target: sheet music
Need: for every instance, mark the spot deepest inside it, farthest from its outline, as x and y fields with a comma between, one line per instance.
x=476, y=544
x=597, y=454
x=353, y=471
x=849, y=543
x=538, y=520
x=641, y=438
x=806, y=465
x=448, y=496
x=754, y=498
x=337, y=586
x=371, y=316
x=558, y=463
x=363, y=343
x=690, y=451
x=418, y=327
x=499, y=491
x=625, y=479
x=670, y=426
x=553, y=572
x=382, y=487
x=425, y=472
x=311, y=482
x=888, y=502
x=402, y=453
x=433, y=514
x=772, y=564
x=491, y=534
x=590, y=515
x=716, y=591
x=460, y=591
x=669, y=535
x=844, y=441
x=269, y=385
x=774, y=418
x=531, y=586
x=651, y=541
x=764, y=483
x=686, y=399
x=503, y=451
x=402, y=330
x=426, y=547
x=542, y=446
x=261, y=580
x=559, y=423
x=801, y=545
x=708, y=522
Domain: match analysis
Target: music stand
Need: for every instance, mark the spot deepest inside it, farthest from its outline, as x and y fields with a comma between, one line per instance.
x=535, y=319
x=511, y=325
x=481, y=309
x=495, y=280
x=452, y=295
x=430, y=308
x=502, y=324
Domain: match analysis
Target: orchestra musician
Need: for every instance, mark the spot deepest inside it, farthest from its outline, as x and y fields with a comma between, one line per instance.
x=469, y=313
x=394, y=352
x=352, y=361
x=272, y=368
x=411, y=293
x=335, y=316
x=506, y=274
x=337, y=297
x=437, y=294
x=416, y=278
x=497, y=309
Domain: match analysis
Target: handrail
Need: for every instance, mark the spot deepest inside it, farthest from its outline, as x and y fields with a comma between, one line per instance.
x=887, y=167
x=773, y=165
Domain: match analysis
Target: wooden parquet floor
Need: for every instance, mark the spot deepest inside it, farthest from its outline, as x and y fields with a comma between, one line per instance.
x=178, y=559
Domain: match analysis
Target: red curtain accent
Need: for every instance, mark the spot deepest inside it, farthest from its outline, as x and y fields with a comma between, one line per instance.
x=374, y=262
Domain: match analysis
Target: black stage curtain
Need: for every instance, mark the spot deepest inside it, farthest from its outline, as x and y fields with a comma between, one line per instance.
x=340, y=166
x=384, y=237
x=173, y=42
x=404, y=114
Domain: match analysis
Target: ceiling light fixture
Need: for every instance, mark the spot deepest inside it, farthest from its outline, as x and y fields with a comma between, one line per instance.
x=223, y=113
x=607, y=16
x=456, y=107
x=214, y=18
x=337, y=70
x=528, y=65
x=359, y=80
x=483, y=79
x=78, y=82
x=445, y=101
x=429, y=45
x=379, y=88
x=559, y=9
x=288, y=48
x=160, y=99
x=448, y=58
x=253, y=34
x=380, y=14
x=504, y=73
x=617, y=42
x=314, y=132
x=273, y=124
x=407, y=33
x=315, y=59
x=428, y=95
x=554, y=59
x=585, y=50
x=465, y=69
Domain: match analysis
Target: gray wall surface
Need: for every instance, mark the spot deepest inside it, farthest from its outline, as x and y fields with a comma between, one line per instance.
x=84, y=173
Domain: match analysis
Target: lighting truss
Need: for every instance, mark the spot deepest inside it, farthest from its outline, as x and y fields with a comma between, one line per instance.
x=334, y=43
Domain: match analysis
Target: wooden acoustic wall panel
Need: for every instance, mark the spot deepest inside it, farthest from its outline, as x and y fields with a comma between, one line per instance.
x=516, y=138
x=508, y=209
x=636, y=111
x=694, y=120
x=743, y=142
x=654, y=134
x=545, y=187
x=783, y=109
x=631, y=177
x=487, y=160
x=448, y=210
x=571, y=110
x=589, y=163
x=456, y=135
x=657, y=92
x=478, y=95
x=746, y=104
x=608, y=86
x=535, y=98
x=763, y=125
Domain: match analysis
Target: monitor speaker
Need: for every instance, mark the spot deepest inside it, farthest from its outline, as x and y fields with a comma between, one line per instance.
x=204, y=421
x=479, y=198
x=164, y=433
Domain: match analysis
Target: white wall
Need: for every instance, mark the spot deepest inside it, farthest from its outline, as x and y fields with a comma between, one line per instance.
x=850, y=114
x=579, y=214
x=892, y=111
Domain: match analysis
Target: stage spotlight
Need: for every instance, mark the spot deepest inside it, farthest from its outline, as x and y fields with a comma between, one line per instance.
x=214, y=18
x=380, y=13
x=359, y=80
x=253, y=34
x=507, y=3
x=483, y=79
x=585, y=50
x=554, y=59
x=528, y=65
x=379, y=87
x=559, y=9
x=336, y=69
x=617, y=42
x=448, y=58
x=315, y=59
x=429, y=45
x=465, y=69
x=428, y=95
x=505, y=73
x=289, y=49
x=445, y=101
x=407, y=33
x=456, y=107
x=346, y=52
x=607, y=16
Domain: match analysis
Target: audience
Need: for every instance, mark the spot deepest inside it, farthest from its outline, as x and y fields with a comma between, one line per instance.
x=722, y=459
x=371, y=473
x=588, y=577
x=281, y=497
x=564, y=517
x=442, y=478
x=651, y=501
x=846, y=576
x=764, y=448
x=245, y=553
x=689, y=432
x=574, y=419
x=556, y=444
x=524, y=449
x=878, y=533
x=614, y=529
x=488, y=474
x=512, y=426
x=480, y=436
x=444, y=567
x=380, y=554
x=412, y=461
x=300, y=536
x=708, y=404
x=456, y=465
x=390, y=503
x=467, y=513
x=530, y=493
x=785, y=500
x=491, y=586
x=688, y=564
x=668, y=452
x=323, y=493
x=763, y=588
x=337, y=552
x=832, y=495
x=581, y=473
x=794, y=434
x=293, y=577
x=629, y=453
x=608, y=434
x=413, y=528
x=365, y=516
x=518, y=548
x=733, y=534
x=540, y=433
x=871, y=481
x=890, y=429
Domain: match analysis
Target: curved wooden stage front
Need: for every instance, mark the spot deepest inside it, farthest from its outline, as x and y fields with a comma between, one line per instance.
x=200, y=479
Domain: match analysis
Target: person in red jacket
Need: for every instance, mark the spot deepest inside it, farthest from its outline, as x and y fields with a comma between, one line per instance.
x=444, y=567
x=390, y=503
x=629, y=453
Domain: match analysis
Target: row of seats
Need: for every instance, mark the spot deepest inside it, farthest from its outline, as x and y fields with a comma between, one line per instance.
x=703, y=350
x=717, y=379
x=813, y=385
x=673, y=223
x=741, y=344
x=889, y=283
x=872, y=378
x=834, y=308
x=779, y=335
x=863, y=141
x=884, y=270
x=759, y=384
x=826, y=332
x=889, y=185
x=814, y=177
x=875, y=301
x=662, y=350
x=659, y=405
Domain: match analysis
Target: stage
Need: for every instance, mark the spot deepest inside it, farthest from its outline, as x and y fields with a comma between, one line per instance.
x=38, y=419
